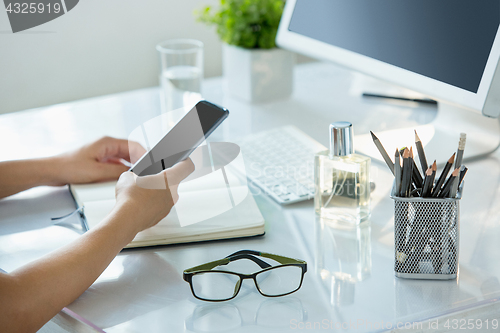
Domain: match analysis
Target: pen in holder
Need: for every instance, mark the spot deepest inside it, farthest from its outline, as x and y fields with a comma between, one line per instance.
x=426, y=237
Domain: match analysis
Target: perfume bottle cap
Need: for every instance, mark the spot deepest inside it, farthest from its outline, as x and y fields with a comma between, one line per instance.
x=341, y=138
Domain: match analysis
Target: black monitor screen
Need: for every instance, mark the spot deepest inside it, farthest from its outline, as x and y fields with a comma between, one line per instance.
x=447, y=40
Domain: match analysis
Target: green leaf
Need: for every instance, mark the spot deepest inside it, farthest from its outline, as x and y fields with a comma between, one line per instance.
x=245, y=23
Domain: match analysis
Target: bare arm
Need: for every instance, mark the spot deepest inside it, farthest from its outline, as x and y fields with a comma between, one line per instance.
x=98, y=161
x=33, y=294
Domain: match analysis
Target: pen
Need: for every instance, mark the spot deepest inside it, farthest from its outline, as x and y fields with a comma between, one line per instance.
x=382, y=151
x=418, y=100
x=443, y=176
x=460, y=150
x=421, y=153
x=397, y=172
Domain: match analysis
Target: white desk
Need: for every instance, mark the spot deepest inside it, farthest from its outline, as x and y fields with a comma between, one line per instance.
x=143, y=290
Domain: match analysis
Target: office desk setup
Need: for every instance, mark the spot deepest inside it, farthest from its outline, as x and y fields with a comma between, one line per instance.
x=350, y=283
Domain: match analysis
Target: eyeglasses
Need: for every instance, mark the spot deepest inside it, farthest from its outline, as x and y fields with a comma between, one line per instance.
x=212, y=285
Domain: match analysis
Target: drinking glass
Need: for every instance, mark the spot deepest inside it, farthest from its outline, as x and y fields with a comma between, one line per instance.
x=181, y=73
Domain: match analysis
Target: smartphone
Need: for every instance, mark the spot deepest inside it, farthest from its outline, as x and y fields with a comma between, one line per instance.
x=182, y=139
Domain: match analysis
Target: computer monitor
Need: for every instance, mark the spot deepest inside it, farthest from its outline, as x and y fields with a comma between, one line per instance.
x=448, y=50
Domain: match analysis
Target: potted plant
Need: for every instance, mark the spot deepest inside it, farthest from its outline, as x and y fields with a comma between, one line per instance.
x=255, y=70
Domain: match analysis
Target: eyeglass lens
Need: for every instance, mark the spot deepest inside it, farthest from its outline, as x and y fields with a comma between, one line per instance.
x=280, y=280
x=218, y=286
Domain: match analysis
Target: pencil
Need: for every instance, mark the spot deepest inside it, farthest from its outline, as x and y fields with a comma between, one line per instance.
x=433, y=177
x=418, y=181
x=382, y=151
x=417, y=178
x=460, y=150
x=463, y=171
x=406, y=176
x=414, y=178
x=421, y=153
x=454, y=185
x=443, y=176
x=426, y=191
x=446, y=190
x=397, y=172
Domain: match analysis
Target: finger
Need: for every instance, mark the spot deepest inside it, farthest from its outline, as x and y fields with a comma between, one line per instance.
x=169, y=177
x=109, y=171
x=112, y=148
x=126, y=177
x=136, y=151
x=179, y=172
x=153, y=182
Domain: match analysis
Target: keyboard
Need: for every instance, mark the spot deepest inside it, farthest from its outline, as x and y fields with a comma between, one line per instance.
x=281, y=163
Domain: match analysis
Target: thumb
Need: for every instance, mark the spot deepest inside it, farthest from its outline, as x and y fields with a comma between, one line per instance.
x=179, y=172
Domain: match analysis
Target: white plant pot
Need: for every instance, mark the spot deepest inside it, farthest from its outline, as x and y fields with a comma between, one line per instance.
x=256, y=75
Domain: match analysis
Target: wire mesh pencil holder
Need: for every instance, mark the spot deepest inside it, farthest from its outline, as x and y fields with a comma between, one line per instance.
x=426, y=237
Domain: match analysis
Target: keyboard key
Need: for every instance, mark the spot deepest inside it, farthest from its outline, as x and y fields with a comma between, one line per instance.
x=281, y=162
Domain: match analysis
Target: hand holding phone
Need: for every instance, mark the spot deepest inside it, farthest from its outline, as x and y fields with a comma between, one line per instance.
x=182, y=139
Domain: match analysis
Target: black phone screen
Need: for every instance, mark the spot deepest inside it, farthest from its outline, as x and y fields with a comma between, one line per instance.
x=182, y=139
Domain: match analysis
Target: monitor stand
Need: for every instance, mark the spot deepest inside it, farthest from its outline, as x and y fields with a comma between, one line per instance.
x=440, y=137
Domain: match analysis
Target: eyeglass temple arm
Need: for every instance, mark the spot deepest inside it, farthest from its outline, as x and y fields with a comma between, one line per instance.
x=233, y=257
x=256, y=260
x=244, y=254
x=225, y=261
x=208, y=266
x=280, y=259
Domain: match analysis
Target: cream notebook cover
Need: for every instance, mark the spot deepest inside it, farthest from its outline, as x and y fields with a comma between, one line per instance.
x=207, y=209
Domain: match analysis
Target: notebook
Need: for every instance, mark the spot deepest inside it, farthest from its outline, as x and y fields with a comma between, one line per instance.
x=208, y=209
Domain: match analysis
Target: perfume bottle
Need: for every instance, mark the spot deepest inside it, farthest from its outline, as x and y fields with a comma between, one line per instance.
x=342, y=178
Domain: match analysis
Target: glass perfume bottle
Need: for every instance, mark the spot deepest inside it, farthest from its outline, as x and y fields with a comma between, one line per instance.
x=342, y=178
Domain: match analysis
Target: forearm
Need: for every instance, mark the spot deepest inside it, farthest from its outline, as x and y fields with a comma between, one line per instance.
x=41, y=289
x=17, y=176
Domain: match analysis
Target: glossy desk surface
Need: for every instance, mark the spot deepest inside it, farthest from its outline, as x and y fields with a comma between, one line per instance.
x=350, y=276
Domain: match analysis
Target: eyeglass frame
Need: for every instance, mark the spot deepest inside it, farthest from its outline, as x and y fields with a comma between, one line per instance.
x=244, y=254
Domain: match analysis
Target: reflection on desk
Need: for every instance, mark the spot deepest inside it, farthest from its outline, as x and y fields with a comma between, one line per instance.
x=133, y=285
x=343, y=258
x=271, y=313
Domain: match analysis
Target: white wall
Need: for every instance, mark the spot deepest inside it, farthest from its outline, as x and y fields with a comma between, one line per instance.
x=99, y=47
